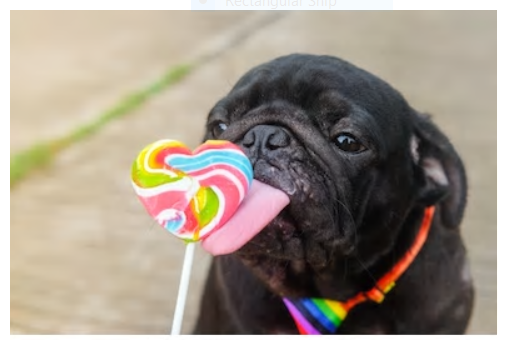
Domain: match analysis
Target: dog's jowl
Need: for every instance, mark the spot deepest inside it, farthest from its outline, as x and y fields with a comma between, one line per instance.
x=370, y=241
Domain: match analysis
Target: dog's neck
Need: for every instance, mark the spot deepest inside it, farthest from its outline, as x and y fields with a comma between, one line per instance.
x=343, y=283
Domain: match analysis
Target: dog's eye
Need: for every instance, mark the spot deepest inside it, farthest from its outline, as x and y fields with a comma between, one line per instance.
x=218, y=129
x=348, y=143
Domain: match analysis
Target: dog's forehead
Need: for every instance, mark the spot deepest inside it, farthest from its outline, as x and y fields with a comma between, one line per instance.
x=311, y=81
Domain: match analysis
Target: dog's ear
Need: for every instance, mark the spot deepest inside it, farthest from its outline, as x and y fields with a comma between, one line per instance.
x=440, y=171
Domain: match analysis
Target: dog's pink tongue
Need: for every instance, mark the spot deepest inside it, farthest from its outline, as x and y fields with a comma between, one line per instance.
x=258, y=208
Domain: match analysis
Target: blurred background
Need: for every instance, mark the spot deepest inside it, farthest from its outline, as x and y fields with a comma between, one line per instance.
x=85, y=257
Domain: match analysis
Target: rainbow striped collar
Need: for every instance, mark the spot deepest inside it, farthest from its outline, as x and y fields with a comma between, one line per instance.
x=323, y=316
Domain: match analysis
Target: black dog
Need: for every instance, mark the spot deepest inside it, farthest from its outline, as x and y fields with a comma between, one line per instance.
x=360, y=167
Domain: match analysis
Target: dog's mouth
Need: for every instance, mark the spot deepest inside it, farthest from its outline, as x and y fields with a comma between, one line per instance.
x=281, y=239
x=305, y=228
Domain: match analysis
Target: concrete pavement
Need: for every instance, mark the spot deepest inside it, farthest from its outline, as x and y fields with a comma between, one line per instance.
x=85, y=258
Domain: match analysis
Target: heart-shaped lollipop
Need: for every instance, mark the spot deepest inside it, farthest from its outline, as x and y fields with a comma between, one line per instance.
x=191, y=194
x=194, y=194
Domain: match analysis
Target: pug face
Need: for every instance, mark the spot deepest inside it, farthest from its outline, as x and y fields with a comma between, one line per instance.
x=356, y=161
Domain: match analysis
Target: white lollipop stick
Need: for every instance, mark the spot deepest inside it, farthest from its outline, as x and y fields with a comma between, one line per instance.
x=183, y=288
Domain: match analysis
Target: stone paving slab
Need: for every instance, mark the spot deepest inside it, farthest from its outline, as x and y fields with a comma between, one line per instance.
x=85, y=258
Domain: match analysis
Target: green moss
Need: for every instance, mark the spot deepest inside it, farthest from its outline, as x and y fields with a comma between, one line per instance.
x=41, y=154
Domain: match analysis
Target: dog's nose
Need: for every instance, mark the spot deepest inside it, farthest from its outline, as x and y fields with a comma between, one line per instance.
x=266, y=138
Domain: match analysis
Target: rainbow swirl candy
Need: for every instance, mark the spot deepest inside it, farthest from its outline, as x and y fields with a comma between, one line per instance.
x=189, y=193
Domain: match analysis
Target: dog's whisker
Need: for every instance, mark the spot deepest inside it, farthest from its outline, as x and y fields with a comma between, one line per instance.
x=366, y=270
x=345, y=268
x=352, y=223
